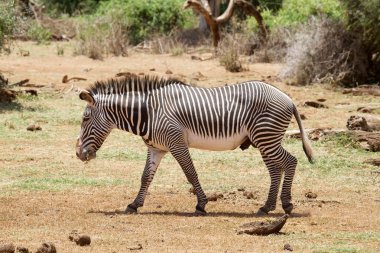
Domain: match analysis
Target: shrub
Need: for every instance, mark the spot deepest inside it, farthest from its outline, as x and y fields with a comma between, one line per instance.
x=102, y=35
x=295, y=12
x=363, y=18
x=70, y=7
x=145, y=18
x=323, y=51
x=229, y=52
x=39, y=34
x=7, y=22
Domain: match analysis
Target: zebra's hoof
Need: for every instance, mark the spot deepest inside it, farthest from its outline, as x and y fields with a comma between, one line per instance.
x=131, y=209
x=262, y=211
x=288, y=208
x=200, y=211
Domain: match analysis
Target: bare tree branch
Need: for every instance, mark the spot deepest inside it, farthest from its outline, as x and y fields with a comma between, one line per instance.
x=227, y=13
x=251, y=10
x=213, y=22
x=196, y=5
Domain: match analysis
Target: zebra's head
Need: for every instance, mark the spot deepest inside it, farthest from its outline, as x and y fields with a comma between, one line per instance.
x=94, y=129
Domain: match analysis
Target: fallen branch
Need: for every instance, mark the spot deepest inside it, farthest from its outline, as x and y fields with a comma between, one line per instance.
x=65, y=79
x=263, y=228
x=363, y=90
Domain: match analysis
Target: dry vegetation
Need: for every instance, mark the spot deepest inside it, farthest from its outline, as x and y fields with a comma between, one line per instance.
x=324, y=52
x=46, y=192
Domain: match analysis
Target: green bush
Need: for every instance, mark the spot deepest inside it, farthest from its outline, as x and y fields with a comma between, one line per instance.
x=58, y=7
x=7, y=22
x=363, y=17
x=39, y=34
x=294, y=12
x=145, y=18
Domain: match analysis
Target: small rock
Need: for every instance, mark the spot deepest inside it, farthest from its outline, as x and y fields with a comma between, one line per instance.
x=73, y=234
x=242, y=189
x=197, y=58
x=33, y=127
x=321, y=100
x=82, y=240
x=7, y=248
x=31, y=92
x=47, y=247
x=152, y=69
x=169, y=72
x=249, y=195
x=315, y=104
x=311, y=195
x=159, y=206
x=288, y=247
x=214, y=196
x=313, y=223
x=22, y=250
x=192, y=190
x=303, y=117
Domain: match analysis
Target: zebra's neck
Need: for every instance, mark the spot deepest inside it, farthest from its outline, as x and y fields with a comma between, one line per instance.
x=127, y=111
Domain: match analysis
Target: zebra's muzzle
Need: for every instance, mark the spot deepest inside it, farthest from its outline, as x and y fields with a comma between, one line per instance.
x=86, y=155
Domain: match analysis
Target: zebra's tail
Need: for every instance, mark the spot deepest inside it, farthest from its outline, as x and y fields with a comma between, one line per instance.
x=305, y=139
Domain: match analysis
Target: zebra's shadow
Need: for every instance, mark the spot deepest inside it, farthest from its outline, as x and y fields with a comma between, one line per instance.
x=209, y=214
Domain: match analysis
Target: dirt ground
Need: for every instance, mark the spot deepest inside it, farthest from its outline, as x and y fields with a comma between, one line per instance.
x=345, y=217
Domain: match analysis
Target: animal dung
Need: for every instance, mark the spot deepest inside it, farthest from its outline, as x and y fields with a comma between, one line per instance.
x=311, y=195
x=81, y=240
x=7, y=248
x=22, y=250
x=288, y=247
x=263, y=227
x=214, y=196
x=315, y=104
x=47, y=247
x=34, y=127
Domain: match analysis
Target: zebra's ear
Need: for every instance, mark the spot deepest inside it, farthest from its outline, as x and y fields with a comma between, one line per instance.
x=86, y=96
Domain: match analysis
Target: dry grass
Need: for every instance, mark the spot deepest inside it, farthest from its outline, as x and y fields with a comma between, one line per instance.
x=229, y=51
x=274, y=49
x=100, y=37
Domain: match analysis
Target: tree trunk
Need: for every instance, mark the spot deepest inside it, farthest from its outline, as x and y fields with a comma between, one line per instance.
x=213, y=22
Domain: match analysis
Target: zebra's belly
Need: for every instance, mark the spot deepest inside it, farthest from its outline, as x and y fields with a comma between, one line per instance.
x=215, y=144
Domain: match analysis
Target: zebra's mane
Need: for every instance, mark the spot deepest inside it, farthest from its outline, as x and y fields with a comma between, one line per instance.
x=127, y=83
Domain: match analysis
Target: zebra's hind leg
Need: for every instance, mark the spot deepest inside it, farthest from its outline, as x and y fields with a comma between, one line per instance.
x=182, y=155
x=275, y=179
x=289, y=165
x=154, y=157
x=277, y=161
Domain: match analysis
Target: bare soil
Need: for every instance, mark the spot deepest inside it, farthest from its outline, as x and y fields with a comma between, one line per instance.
x=344, y=216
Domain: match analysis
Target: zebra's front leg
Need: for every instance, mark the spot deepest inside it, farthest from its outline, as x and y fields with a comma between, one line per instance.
x=154, y=157
x=275, y=179
x=182, y=155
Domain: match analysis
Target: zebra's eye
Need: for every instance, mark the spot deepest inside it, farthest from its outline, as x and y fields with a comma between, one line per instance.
x=86, y=115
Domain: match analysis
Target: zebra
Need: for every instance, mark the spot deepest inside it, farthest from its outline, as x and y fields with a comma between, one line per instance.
x=171, y=116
